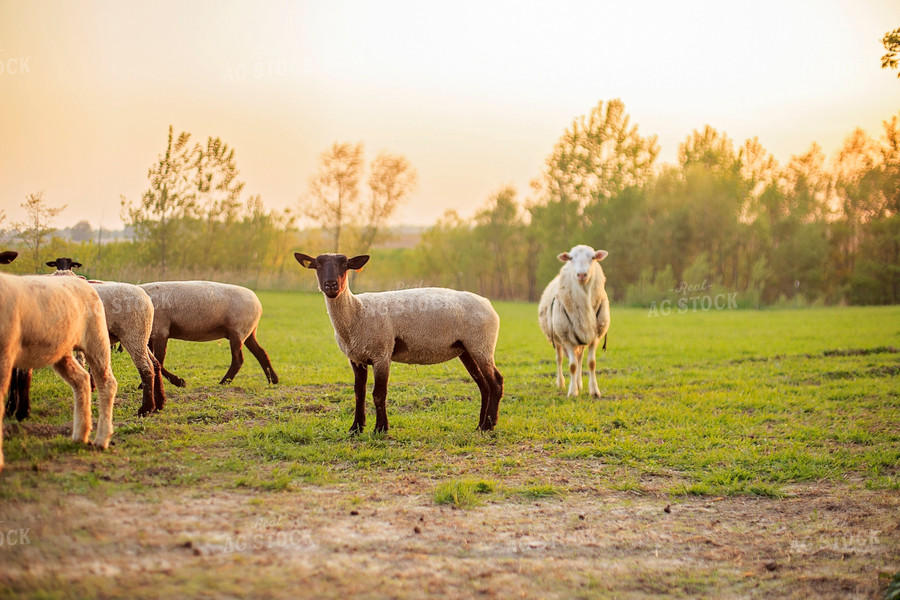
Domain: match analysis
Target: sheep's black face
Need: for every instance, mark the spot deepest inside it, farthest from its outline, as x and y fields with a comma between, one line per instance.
x=64, y=264
x=331, y=270
x=332, y=273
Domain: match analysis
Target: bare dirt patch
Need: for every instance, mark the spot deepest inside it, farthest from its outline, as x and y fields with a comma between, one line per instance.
x=393, y=541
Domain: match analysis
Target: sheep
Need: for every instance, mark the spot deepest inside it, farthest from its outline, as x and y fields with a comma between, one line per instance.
x=42, y=320
x=202, y=311
x=129, y=317
x=415, y=326
x=574, y=313
x=17, y=402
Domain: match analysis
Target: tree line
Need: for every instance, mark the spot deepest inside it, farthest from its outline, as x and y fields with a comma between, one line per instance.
x=725, y=217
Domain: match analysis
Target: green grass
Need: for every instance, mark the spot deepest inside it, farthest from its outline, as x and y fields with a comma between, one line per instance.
x=715, y=403
x=462, y=493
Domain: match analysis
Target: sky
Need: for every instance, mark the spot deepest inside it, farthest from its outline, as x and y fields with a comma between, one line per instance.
x=474, y=94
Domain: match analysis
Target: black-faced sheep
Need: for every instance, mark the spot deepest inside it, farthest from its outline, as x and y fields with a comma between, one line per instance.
x=414, y=326
x=129, y=317
x=42, y=320
x=574, y=314
x=202, y=311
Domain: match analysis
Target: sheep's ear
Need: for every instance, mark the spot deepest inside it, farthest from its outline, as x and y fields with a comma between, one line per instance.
x=356, y=263
x=601, y=254
x=564, y=257
x=305, y=261
x=7, y=257
x=76, y=265
x=51, y=263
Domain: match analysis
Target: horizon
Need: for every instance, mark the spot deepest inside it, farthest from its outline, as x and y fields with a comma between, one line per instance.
x=474, y=96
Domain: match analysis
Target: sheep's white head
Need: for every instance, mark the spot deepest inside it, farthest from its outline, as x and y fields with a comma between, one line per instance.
x=331, y=270
x=582, y=258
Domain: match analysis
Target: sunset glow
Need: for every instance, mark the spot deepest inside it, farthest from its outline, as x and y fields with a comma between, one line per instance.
x=474, y=94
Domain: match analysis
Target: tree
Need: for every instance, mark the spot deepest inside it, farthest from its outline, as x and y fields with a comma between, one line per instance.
x=159, y=216
x=81, y=231
x=216, y=180
x=498, y=233
x=334, y=190
x=391, y=179
x=890, y=166
x=36, y=230
x=891, y=41
x=598, y=155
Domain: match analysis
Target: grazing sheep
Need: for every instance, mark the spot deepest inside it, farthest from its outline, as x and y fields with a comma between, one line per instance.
x=416, y=326
x=574, y=313
x=42, y=320
x=129, y=317
x=202, y=311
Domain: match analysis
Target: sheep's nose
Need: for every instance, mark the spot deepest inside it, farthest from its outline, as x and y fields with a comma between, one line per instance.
x=582, y=277
x=330, y=286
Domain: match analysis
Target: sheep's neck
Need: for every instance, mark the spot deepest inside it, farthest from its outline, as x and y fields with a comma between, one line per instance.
x=344, y=311
x=584, y=322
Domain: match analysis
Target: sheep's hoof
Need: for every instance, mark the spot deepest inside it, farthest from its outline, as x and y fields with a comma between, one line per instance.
x=487, y=424
x=179, y=382
x=356, y=429
x=225, y=381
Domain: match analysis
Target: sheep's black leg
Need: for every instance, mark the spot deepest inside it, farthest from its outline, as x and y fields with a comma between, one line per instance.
x=261, y=356
x=159, y=394
x=146, y=369
x=23, y=390
x=237, y=357
x=361, y=374
x=158, y=348
x=19, y=400
x=12, y=399
x=483, y=385
x=497, y=394
x=382, y=372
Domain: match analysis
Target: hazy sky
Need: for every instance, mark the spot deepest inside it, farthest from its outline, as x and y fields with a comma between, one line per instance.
x=474, y=93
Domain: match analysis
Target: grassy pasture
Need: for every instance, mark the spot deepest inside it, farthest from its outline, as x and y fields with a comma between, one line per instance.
x=776, y=415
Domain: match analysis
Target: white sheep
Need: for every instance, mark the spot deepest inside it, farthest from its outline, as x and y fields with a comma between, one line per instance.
x=202, y=311
x=415, y=326
x=129, y=318
x=574, y=313
x=42, y=320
